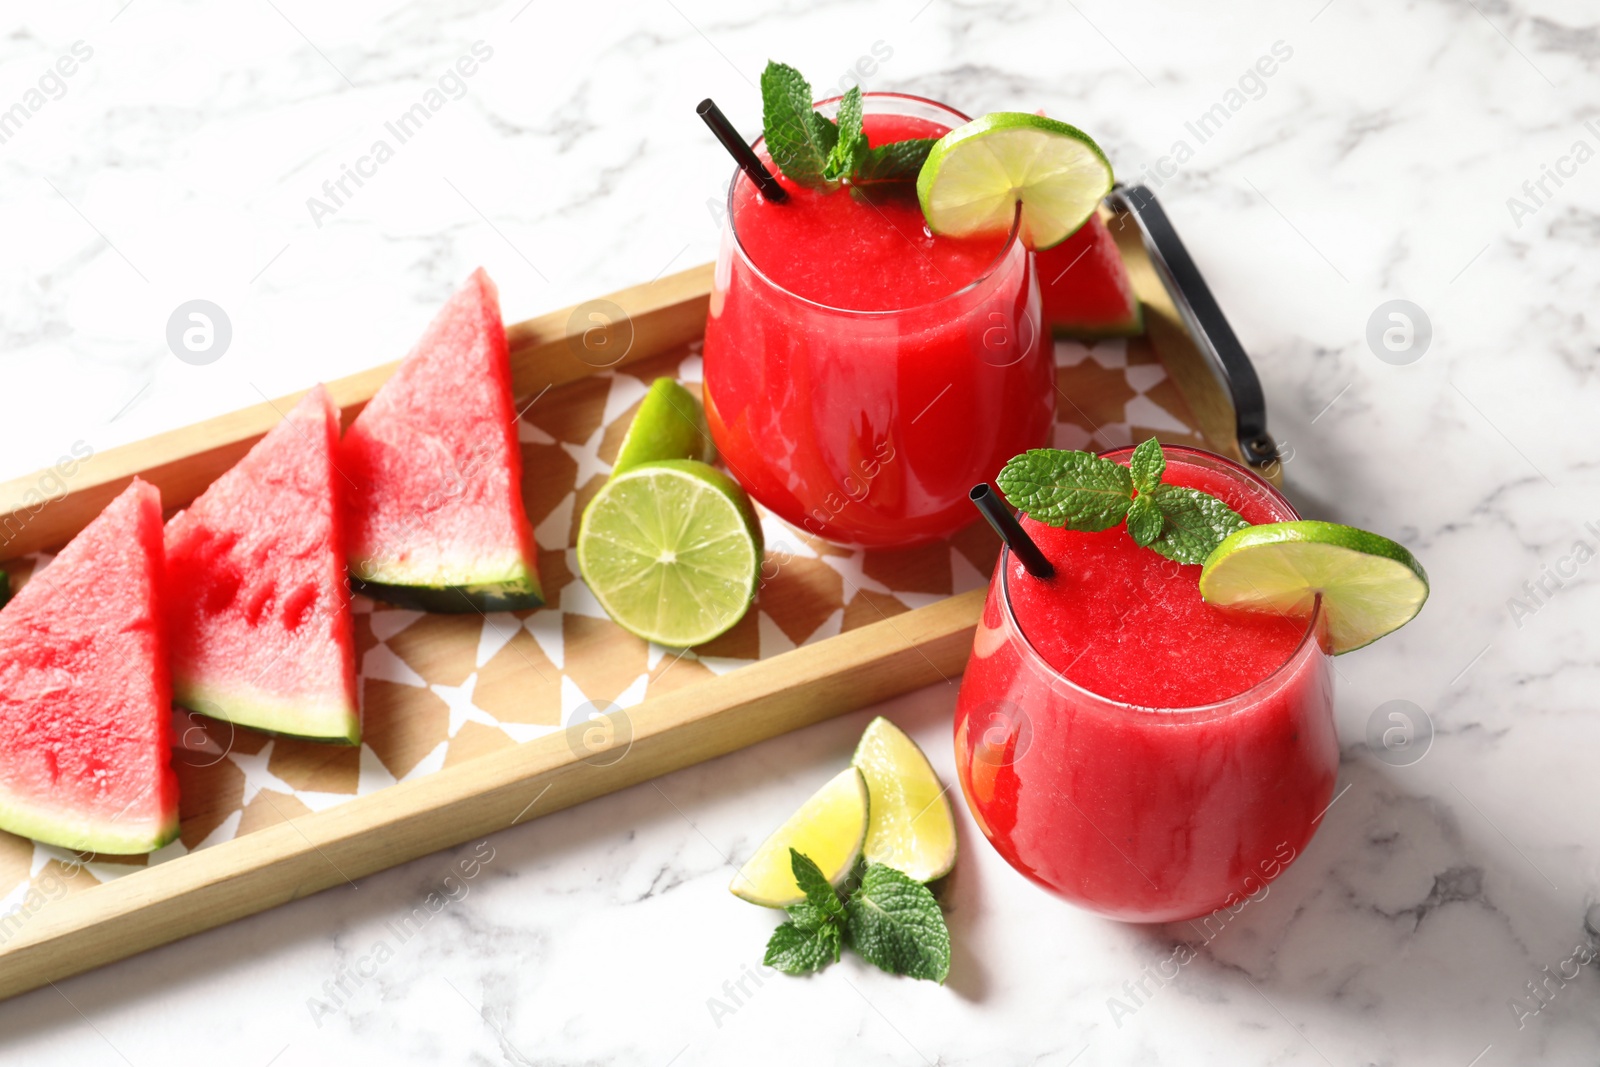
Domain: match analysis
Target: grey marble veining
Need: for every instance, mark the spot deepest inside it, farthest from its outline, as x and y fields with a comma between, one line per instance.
x=1394, y=152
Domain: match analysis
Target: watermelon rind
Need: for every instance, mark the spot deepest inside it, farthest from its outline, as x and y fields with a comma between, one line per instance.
x=271, y=713
x=87, y=744
x=415, y=537
x=65, y=829
x=5, y=588
x=514, y=594
x=1132, y=326
x=286, y=480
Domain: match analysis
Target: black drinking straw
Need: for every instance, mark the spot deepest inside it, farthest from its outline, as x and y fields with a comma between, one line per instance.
x=1011, y=532
x=742, y=153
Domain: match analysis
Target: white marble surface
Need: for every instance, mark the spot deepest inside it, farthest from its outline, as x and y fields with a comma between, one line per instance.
x=1375, y=164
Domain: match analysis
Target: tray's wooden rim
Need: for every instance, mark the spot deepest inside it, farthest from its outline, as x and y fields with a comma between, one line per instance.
x=313, y=852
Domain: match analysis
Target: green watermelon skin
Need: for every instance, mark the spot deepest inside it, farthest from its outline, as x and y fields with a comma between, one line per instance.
x=435, y=518
x=259, y=607
x=515, y=595
x=85, y=693
x=1084, y=288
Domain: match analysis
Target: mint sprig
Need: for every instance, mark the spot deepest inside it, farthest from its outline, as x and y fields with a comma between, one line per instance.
x=886, y=917
x=894, y=923
x=815, y=152
x=895, y=162
x=799, y=139
x=799, y=949
x=1193, y=523
x=822, y=900
x=1082, y=491
x=851, y=143
x=1075, y=490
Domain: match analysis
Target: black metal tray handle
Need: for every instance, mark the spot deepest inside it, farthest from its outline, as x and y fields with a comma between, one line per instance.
x=1204, y=318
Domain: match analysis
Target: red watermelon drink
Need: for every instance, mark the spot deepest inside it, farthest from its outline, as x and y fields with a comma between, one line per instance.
x=861, y=373
x=1132, y=747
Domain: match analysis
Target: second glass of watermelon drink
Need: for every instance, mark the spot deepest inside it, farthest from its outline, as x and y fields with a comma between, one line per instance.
x=1131, y=747
x=860, y=373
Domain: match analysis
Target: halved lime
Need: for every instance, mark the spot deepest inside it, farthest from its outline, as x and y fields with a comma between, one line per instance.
x=911, y=828
x=670, y=424
x=672, y=551
x=1370, y=585
x=976, y=174
x=829, y=829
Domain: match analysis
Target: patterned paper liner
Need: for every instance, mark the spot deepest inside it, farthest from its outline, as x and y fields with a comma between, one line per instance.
x=440, y=689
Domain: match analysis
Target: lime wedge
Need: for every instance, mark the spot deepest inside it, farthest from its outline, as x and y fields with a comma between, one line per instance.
x=829, y=829
x=911, y=828
x=670, y=424
x=1370, y=586
x=672, y=551
x=976, y=174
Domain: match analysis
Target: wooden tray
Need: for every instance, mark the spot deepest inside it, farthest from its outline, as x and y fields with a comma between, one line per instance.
x=475, y=723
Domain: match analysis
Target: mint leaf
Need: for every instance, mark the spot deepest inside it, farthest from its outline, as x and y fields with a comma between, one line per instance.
x=1075, y=490
x=1145, y=519
x=1194, y=523
x=816, y=153
x=852, y=881
x=852, y=143
x=900, y=161
x=1147, y=465
x=895, y=924
x=821, y=897
x=808, y=916
x=796, y=950
x=799, y=140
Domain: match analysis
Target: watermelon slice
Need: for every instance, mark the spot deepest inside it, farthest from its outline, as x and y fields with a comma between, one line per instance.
x=1085, y=287
x=85, y=697
x=258, y=607
x=435, y=518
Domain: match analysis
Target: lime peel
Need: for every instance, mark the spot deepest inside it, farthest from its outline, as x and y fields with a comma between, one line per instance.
x=1369, y=585
x=976, y=174
x=829, y=829
x=670, y=424
x=911, y=827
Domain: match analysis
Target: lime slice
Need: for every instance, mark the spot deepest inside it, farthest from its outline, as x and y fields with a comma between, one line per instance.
x=670, y=424
x=976, y=173
x=911, y=828
x=1370, y=585
x=672, y=551
x=829, y=829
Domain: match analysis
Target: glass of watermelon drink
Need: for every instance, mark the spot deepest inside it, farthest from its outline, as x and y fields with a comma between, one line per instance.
x=1127, y=745
x=860, y=373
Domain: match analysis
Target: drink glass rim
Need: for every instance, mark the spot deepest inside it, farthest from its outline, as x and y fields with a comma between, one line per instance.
x=1309, y=644
x=988, y=273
